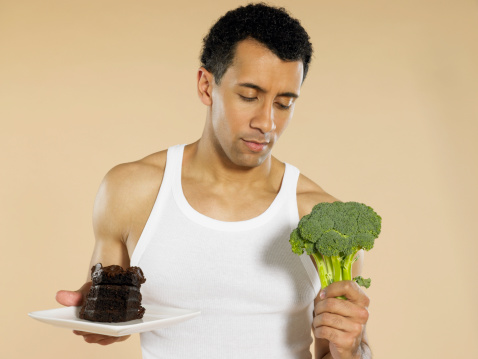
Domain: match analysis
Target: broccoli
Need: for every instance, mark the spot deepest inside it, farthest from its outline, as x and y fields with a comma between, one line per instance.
x=333, y=233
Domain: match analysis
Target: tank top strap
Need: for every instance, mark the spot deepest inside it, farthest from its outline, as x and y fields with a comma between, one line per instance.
x=291, y=178
x=174, y=161
x=173, y=164
x=289, y=186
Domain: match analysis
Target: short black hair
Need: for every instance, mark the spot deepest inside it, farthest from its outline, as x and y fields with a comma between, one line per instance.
x=271, y=26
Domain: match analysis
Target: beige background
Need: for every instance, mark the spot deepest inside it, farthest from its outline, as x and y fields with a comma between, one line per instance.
x=387, y=116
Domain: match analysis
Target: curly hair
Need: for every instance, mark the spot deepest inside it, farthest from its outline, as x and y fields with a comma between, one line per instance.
x=271, y=26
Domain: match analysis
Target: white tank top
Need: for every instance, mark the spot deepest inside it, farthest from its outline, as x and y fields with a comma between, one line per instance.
x=255, y=295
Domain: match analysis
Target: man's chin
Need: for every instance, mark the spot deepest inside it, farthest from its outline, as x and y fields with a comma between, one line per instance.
x=251, y=160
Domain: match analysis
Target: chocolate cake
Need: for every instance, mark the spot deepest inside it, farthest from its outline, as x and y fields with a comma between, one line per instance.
x=114, y=295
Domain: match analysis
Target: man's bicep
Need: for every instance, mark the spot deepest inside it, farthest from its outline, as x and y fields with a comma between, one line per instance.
x=309, y=194
x=110, y=223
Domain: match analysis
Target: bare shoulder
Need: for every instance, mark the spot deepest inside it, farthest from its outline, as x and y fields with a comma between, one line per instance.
x=309, y=194
x=128, y=190
x=136, y=177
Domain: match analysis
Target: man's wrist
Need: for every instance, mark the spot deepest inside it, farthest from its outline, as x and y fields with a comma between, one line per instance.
x=363, y=352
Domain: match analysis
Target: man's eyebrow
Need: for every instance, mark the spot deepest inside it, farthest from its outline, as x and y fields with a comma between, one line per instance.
x=260, y=89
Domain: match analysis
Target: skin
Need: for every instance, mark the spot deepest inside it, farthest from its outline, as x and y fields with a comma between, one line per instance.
x=223, y=173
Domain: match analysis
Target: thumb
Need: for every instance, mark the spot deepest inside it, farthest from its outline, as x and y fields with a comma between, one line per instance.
x=73, y=298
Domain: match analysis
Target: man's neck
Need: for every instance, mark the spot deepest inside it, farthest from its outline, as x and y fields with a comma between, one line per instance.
x=206, y=162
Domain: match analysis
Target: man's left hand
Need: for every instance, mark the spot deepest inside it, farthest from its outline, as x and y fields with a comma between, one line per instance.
x=342, y=322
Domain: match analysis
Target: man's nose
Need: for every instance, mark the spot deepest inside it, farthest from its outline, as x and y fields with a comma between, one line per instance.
x=264, y=119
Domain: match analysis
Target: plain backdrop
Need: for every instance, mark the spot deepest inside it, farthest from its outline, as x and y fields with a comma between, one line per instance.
x=388, y=116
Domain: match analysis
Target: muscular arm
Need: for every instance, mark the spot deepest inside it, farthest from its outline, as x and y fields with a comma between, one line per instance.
x=308, y=195
x=122, y=206
x=111, y=220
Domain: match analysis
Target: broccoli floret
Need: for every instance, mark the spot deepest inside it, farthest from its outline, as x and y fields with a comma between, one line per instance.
x=333, y=233
x=362, y=281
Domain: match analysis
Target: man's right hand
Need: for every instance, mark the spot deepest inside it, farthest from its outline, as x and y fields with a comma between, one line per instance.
x=76, y=298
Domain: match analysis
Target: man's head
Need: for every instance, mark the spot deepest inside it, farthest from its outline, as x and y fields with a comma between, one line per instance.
x=271, y=26
x=255, y=60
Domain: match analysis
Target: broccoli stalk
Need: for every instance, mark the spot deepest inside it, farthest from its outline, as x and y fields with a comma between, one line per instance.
x=324, y=274
x=347, y=266
x=332, y=234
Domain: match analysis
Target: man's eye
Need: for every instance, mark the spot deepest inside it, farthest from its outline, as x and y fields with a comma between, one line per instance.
x=283, y=106
x=247, y=98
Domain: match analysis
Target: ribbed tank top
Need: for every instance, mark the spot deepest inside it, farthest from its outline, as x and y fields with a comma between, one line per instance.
x=255, y=295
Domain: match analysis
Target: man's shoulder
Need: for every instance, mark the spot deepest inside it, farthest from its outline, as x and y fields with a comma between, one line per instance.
x=126, y=196
x=145, y=169
x=136, y=178
x=309, y=194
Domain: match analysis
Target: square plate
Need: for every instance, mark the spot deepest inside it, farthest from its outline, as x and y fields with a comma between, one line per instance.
x=155, y=317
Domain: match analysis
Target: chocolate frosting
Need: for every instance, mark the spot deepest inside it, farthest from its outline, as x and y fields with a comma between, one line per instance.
x=115, y=274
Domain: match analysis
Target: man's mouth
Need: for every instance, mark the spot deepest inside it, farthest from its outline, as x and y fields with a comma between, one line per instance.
x=255, y=146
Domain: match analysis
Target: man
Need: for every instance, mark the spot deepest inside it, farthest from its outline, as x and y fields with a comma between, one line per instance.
x=209, y=222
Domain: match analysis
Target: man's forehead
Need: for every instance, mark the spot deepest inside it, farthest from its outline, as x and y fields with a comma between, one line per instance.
x=250, y=51
x=254, y=62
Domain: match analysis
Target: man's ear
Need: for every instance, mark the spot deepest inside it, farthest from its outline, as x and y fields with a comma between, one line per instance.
x=205, y=83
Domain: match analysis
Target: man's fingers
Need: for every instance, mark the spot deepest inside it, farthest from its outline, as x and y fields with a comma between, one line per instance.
x=348, y=289
x=340, y=338
x=336, y=321
x=107, y=341
x=101, y=339
x=334, y=305
x=95, y=338
x=111, y=340
x=341, y=321
x=69, y=298
x=73, y=298
x=344, y=308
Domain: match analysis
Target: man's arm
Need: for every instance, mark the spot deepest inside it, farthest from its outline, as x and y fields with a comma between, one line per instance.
x=112, y=218
x=110, y=229
x=122, y=205
x=338, y=331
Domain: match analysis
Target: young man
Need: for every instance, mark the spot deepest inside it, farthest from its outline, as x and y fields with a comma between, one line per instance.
x=209, y=222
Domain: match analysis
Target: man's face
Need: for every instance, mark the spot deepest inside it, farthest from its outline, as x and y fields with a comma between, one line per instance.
x=254, y=103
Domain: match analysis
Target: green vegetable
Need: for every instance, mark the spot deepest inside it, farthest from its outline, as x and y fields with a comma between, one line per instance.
x=333, y=233
x=362, y=281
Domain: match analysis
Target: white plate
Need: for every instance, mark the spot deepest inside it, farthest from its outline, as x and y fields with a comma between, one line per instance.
x=154, y=318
